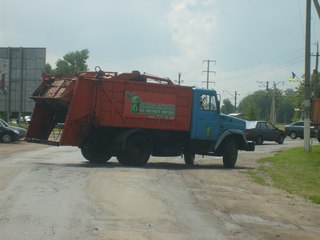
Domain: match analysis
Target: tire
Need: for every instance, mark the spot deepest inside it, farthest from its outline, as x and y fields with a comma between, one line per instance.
x=189, y=158
x=281, y=139
x=137, y=151
x=293, y=135
x=6, y=138
x=95, y=153
x=230, y=154
x=258, y=140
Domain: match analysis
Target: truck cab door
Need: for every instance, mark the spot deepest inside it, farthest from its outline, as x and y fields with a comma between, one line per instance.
x=205, y=116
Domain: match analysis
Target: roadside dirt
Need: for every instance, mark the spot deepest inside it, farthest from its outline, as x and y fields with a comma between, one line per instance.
x=52, y=193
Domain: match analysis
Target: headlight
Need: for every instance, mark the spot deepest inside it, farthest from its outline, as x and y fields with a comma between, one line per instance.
x=16, y=131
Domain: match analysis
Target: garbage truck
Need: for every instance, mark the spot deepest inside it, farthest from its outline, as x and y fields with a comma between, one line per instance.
x=132, y=116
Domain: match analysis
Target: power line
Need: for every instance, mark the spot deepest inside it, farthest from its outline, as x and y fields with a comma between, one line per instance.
x=270, y=60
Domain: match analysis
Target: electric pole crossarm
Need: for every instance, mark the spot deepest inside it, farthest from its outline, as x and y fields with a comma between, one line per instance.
x=208, y=70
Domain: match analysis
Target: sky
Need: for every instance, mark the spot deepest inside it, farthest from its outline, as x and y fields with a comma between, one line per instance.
x=251, y=41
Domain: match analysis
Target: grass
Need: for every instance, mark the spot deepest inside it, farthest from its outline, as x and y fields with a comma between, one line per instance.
x=294, y=170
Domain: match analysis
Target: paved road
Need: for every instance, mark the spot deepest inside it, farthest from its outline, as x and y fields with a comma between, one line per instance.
x=52, y=193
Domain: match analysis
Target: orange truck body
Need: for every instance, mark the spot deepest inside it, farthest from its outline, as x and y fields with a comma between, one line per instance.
x=86, y=100
x=315, y=112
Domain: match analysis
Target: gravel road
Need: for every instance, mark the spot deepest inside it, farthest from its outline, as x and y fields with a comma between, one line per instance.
x=51, y=192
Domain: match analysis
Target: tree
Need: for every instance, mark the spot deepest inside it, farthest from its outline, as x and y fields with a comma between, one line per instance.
x=227, y=107
x=256, y=106
x=71, y=63
x=48, y=68
x=285, y=108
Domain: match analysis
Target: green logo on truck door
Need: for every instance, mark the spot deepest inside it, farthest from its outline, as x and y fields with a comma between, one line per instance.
x=135, y=104
x=153, y=105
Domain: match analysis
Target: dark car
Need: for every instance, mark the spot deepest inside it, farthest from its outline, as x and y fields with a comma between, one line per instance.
x=260, y=131
x=8, y=134
x=21, y=131
x=296, y=129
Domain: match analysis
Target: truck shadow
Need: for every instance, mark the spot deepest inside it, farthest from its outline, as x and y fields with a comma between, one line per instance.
x=151, y=165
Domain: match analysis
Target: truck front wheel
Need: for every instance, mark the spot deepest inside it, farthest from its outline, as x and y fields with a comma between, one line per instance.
x=137, y=151
x=230, y=154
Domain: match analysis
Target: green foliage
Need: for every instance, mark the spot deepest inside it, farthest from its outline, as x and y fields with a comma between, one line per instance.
x=257, y=106
x=2, y=115
x=295, y=171
x=227, y=107
x=71, y=63
x=48, y=68
x=257, y=178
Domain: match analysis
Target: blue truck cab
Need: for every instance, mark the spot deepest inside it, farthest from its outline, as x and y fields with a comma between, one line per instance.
x=214, y=133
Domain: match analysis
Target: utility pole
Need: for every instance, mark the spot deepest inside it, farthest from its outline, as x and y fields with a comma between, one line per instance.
x=179, y=81
x=307, y=104
x=264, y=84
x=273, y=105
x=235, y=98
x=315, y=75
x=208, y=71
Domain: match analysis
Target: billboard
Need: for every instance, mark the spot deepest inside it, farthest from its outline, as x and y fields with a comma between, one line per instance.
x=4, y=73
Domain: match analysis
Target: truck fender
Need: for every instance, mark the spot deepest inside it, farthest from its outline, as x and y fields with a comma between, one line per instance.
x=122, y=138
x=238, y=134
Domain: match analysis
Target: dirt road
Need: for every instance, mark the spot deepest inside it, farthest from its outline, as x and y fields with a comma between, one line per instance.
x=52, y=193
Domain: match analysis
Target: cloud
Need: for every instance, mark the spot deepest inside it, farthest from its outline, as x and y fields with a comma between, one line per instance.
x=192, y=26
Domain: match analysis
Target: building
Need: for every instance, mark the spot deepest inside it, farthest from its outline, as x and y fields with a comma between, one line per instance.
x=20, y=75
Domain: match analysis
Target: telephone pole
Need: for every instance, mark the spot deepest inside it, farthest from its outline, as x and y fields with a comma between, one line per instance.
x=208, y=71
x=179, y=79
x=273, y=105
x=264, y=84
x=315, y=75
x=235, y=98
x=307, y=104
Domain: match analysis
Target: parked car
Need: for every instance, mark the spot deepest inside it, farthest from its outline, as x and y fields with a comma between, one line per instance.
x=21, y=131
x=296, y=129
x=260, y=131
x=8, y=134
x=25, y=119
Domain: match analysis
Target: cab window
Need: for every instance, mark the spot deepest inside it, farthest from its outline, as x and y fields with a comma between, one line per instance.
x=207, y=103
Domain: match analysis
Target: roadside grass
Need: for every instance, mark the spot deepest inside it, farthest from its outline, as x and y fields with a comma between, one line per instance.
x=294, y=170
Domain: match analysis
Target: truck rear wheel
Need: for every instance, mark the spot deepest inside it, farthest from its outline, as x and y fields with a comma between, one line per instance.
x=95, y=154
x=137, y=151
x=230, y=154
x=189, y=158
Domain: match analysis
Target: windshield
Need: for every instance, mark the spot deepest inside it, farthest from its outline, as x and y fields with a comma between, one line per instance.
x=250, y=125
x=3, y=123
